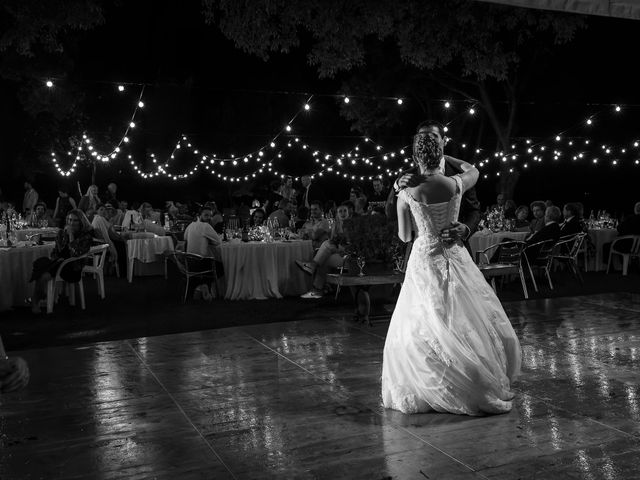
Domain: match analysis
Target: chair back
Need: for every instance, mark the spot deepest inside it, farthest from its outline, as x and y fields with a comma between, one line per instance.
x=190, y=264
x=510, y=252
x=635, y=247
x=576, y=247
x=99, y=255
x=543, y=250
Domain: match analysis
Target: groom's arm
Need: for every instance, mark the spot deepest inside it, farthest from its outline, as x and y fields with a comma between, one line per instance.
x=470, y=205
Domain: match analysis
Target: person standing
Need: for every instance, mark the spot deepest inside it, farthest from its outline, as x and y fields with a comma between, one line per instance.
x=30, y=198
x=64, y=204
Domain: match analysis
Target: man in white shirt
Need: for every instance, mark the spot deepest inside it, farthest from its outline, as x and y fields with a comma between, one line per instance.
x=201, y=239
x=30, y=198
x=316, y=229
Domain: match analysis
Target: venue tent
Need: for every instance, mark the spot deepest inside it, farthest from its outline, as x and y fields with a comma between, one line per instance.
x=610, y=8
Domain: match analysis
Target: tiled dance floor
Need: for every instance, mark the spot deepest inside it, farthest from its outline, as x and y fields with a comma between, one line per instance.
x=301, y=400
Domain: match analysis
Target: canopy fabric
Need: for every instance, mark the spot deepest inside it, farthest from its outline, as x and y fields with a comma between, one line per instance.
x=609, y=8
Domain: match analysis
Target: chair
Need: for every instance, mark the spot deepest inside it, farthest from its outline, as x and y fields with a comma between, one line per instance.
x=567, y=250
x=509, y=262
x=542, y=259
x=98, y=255
x=634, y=252
x=192, y=265
x=69, y=287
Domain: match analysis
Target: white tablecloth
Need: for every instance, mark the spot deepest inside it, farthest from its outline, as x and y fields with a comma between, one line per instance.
x=599, y=237
x=146, y=250
x=15, y=271
x=258, y=270
x=485, y=238
x=21, y=235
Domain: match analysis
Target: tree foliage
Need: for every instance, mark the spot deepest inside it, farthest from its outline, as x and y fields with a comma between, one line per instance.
x=483, y=52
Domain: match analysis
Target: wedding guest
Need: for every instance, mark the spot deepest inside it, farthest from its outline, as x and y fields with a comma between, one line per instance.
x=151, y=220
x=118, y=214
x=309, y=192
x=572, y=223
x=132, y=217
x=358, y=199
x=380, y=192
x=329, y=255
x=90, y=199
x=500, y=203
x=286, y=188
x=316, y=229
x=631, y=224
x=40, y=216
x=30, y=198
x=522, y=215
x=14, y=372
x=217, y=221
x=201, y=239
x=273, y=197
x=550, y=231
x=538, y=209
x=72, y=241
x=64, y=204
x=104, y=230
x=510, y=209
x=257, y=218
x=282, y=213
x=110, y=195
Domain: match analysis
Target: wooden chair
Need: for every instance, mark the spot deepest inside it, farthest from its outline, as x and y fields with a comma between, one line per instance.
x=98, y=255
x=567, y=250
x=508, y=262
x=542, y=259
x=191, y=265
x=634, y=252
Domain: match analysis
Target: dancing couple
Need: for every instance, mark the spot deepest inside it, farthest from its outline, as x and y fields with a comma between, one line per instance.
x=450, y=346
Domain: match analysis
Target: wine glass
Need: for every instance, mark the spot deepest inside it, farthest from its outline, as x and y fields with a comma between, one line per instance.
x=360, y=261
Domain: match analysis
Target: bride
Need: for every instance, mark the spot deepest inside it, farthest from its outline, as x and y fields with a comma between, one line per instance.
x=450, y=346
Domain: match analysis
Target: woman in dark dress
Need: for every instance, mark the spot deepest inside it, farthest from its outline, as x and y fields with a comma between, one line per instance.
x=64, y=204
x=72, y=241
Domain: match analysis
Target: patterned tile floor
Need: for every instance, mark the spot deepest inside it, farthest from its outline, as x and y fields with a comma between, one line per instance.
x=301, y=400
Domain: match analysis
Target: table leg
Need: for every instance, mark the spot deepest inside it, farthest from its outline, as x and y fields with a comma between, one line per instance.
x=130, y=269
x=362, y=304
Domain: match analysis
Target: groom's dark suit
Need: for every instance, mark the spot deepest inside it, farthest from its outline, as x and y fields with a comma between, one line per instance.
x=469, y=204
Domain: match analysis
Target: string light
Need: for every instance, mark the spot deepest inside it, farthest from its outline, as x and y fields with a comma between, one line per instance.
x=49, y=83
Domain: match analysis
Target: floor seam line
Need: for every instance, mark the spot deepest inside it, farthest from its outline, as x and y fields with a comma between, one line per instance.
x=179, y=407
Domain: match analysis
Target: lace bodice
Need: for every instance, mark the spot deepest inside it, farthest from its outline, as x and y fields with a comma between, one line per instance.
x=432, y=218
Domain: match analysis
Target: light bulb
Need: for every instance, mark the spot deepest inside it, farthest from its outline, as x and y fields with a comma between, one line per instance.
x=288, y=128
x=49, y=83
x=307, y=106
x=399, y=101
x=589, y=122
x=121, y=88
x=272, y=145
x=472, y=111
x=346, y=100
x=132, y=125
x=141, y=104
x=617, y=108
x=447, y=104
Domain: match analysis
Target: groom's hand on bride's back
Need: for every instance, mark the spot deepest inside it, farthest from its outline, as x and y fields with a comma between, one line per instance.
x=454, y=232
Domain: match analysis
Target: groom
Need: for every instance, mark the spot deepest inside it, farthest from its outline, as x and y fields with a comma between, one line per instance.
x=469, y=215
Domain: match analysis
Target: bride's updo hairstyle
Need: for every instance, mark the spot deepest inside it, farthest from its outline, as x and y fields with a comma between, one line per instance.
x=427, y=151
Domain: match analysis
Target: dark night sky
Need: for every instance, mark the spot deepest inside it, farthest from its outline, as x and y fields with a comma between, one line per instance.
x=208, y=88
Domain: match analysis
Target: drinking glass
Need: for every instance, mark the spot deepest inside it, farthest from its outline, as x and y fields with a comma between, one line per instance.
x=360, y=261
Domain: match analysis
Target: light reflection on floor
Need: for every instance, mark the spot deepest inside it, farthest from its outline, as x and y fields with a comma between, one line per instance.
x=301, y=400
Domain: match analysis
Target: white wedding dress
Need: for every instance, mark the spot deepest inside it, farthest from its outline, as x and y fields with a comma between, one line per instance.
x=450, y=346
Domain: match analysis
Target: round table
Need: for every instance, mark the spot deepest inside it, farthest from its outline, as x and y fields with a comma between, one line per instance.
x=485, y=238
x=599, y=237
x=257, y=270
x=15, y=271
x=21, y=235
x=147, y=248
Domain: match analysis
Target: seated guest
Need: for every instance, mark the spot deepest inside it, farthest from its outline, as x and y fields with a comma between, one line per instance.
x=257, y=218
x=64, y=204
x=151, y=220
x=329, y=255
x=281, y=214
x=538, y=209
x=40, y=216
x=499, y=205
x=550, y=231
x=316, y=229
x=111, y=194
x=572, y=223
x=72, y=241
x=118, y=214
x=132, y=217
x=90, y=199
x=104, y=230
x=183, y=212
x=358, y=199
x=217, y=222
x=510, y=209
x=200, y=238
x=522, y=222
